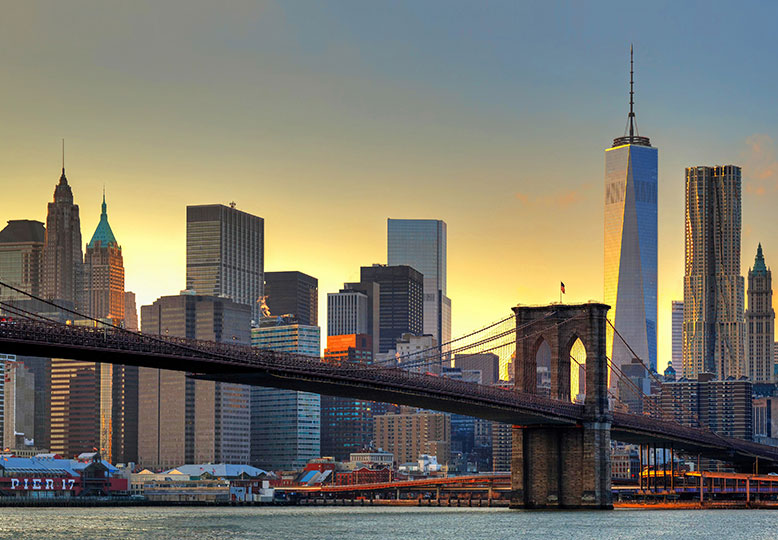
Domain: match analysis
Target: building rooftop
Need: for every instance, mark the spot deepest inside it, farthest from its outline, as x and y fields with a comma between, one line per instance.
x=23, y=230
x=103, y=233
x=759, y=265
x=222, y=470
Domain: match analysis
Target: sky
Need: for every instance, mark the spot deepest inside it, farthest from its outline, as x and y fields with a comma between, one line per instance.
x=327, y=118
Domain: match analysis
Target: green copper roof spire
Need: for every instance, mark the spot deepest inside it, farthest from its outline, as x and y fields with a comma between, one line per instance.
x=759, y=266
x=103, y=233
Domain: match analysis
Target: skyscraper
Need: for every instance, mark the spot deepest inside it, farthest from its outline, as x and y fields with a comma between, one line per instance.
x=347, y=424
x=401, y=308
x=186, y=421
x=372, y=291
x=104, y=299
x=225, y=254
x=104, y=273
x=285, y=424
x=631, y=243
x=677, y=333
x=347, y=313
x=421, y=244
x=62, y=255
x=760, y=321
x=713, y=296
x=295, y=294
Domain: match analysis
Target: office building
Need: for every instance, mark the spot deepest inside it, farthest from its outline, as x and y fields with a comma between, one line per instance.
x=285, y=424
x=40, y=370
x=347, y=424
x=187, y=421
x=225, y=254
x=401, y=297
x=723, y=406
x=677, y=333
x=419, y=354
x=62, y=256
x=487, y=363
x=766, y=420
x=104, y=273
x=713, y=330
x=78, y=408
x=372, y=291
x=631, y=244
x=19, y=400
x=347, y=313
x=421, y=244
x=130, y=312
x=21, y=257
x=293, y=294
x=760, y=322
x=408, y=435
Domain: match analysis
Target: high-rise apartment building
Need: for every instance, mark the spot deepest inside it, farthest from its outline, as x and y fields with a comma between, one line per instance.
x=225, y=254
x=295, y=294
x=21, y=257
x=285, y=424
x=62, y=256
x=104, y=273
x=409, y=434
x=186, y=421
x=421, y=244
x=713, y=330
x=631, y=244
x=760, y=322
x=677, y=333
x=401, y=301
x=723, y=406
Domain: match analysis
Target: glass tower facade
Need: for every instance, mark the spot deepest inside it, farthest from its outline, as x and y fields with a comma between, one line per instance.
x=225, y=254
x=421, y=244
x=285, y=424
x=631, y=248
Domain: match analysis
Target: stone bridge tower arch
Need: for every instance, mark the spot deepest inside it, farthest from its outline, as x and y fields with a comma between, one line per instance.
x=563, y=466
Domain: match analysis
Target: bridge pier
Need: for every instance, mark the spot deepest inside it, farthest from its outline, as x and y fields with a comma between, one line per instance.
x=562, y=466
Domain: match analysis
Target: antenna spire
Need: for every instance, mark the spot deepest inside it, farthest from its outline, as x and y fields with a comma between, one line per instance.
x=63, y=155
x=631, y=96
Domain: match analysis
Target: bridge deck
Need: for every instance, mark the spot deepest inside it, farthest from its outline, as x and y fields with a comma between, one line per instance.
x=245, y=365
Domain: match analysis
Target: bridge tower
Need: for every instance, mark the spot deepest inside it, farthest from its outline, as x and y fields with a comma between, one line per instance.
x=555, y=465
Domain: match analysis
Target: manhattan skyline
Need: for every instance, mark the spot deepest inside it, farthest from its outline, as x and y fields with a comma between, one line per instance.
x=376, y=114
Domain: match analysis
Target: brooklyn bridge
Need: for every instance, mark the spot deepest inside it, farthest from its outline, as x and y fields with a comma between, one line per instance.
x=561, y=449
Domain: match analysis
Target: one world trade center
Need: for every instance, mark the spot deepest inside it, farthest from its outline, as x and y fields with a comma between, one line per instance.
x=631, y=244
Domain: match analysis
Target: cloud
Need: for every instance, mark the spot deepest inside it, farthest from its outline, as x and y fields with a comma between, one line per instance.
x=559, y=199
x=760, y=164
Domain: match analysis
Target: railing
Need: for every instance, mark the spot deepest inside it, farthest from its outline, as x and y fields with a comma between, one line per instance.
x=246, y=359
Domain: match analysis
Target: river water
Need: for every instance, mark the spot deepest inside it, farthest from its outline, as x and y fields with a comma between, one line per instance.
x=345, y=523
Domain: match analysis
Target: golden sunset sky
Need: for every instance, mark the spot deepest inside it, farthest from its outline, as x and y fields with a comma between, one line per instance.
x=328, y=118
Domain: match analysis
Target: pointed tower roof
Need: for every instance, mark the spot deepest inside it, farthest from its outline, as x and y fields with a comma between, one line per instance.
x=103, y=233
x=759, y=266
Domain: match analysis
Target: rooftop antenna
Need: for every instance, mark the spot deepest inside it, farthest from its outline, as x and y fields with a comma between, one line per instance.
x=631, y=96
x=63, y=155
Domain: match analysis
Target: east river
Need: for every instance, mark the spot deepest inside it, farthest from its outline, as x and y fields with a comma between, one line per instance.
x=320, y=523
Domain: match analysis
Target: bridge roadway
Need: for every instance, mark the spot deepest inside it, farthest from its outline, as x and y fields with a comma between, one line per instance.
x=246, y=365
